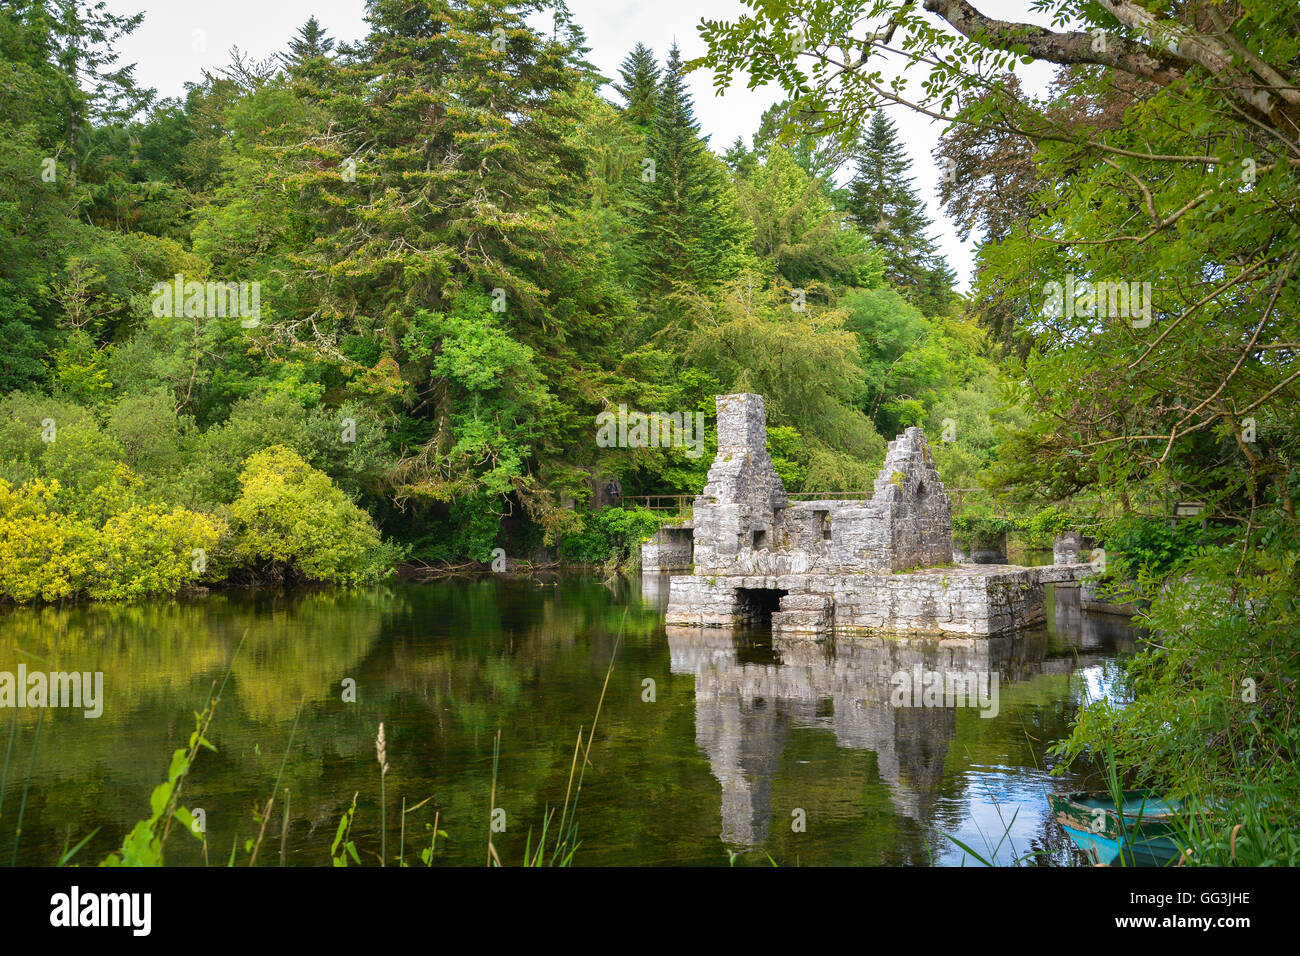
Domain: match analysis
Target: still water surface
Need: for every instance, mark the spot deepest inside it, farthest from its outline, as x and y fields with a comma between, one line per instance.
x=710, y=743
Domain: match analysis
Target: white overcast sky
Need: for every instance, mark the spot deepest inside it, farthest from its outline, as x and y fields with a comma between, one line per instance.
x=180, y=38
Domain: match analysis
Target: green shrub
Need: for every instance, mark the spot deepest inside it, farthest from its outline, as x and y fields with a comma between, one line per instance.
x=1138, y=544
x=977, y=527
x=470, y=530
x=1207, y=712
x=1045, y=525
x=108, y=547
x=612, y=533
x=290, y=519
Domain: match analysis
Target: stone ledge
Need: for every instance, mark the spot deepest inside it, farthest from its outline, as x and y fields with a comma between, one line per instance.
x=976, y=600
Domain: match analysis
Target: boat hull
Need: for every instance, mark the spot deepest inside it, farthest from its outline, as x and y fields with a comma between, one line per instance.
x=1142, y=829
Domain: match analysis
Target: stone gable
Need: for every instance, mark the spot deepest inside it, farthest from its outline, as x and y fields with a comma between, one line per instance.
x=745, y=523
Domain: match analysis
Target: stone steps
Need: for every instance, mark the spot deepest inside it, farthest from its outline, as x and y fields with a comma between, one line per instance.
x=804, y=614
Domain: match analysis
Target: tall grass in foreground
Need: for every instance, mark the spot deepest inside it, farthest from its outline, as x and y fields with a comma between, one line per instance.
x=1254, y=822
x=145, y=845
x=566, y=832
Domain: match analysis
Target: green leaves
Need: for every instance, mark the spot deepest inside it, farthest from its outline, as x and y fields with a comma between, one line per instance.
x=289, y=518
x=342, y=848
x=683, y=206
x=145, y=844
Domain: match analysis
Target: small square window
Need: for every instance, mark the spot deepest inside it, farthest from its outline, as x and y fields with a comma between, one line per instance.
x=760, y=540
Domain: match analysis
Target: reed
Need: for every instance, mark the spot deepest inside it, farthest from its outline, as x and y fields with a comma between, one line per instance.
x=266, y=813
x=284, y=826
x=381, y=753
x=567, y=840
x=4, y=774
x=401, y=850
x=1247, y=818
x=492, y=799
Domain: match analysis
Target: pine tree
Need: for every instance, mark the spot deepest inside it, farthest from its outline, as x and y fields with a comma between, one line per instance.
x=797, y=229
x=78, y=38
x=436, y=201
x=446, y=163
x=740, y=159
x=819, y=155
x=310, y=43
x=937, y=292
x=688, y=227
x=883, y=202
x=570, y=33
x=640, y=87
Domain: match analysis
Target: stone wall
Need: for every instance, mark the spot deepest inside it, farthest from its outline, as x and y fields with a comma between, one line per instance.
x=973, y=600
x=1071, y=547
x=743, y=500
x=965, y=601
x=669, y=549
x=745, y=524
x=915, y=511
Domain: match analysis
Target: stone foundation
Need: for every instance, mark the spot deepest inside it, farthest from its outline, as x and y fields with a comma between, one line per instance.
x=977, y=600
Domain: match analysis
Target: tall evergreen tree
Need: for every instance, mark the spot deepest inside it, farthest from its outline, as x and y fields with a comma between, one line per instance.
x=447, y=161
x=311, y=42
x=437, y=199
x=640, y=87
x=684, y=211
x=883, y=202
x=77, y=38
x=819, y=155
x=569, y=32
x=740, y=159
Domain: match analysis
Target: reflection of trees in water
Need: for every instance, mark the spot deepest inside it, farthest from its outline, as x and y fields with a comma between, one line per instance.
x=160, y=662
x=475, y=653
x=750, y=695
x=480, y=649
x=144, y=651
x=444, y=664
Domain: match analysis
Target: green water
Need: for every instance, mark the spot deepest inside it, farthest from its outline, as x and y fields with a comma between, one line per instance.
x=749, y=745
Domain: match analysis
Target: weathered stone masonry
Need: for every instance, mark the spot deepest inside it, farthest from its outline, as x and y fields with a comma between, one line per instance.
x=669, y=549
x=882, y=565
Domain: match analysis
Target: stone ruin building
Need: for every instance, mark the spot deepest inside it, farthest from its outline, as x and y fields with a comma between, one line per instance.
x=883, y=564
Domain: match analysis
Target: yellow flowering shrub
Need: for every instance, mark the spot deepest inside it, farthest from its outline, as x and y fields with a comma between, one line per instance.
x=291, y=518
x=149, y=550
x=44, y=554
x=104, y=546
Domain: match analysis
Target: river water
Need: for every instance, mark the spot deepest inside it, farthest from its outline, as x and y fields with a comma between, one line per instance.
x=712, y=747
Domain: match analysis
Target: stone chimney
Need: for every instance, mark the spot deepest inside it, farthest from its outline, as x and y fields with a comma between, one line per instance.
x=740, y=502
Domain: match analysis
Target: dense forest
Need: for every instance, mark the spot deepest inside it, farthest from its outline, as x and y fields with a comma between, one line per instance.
x=391, y=287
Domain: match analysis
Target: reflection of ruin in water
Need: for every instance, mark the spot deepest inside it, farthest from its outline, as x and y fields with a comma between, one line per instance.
x=752, y=690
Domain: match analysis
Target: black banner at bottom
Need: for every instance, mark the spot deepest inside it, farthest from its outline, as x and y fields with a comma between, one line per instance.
x=142, y=906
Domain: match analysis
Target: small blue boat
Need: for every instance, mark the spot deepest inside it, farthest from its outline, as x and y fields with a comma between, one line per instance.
x=1143, y=827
